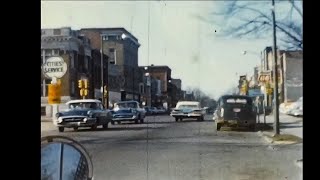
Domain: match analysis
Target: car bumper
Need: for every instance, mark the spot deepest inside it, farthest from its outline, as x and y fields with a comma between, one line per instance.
x=186, y=115
x=241, y=123
x=88, y=122
x=124, y=119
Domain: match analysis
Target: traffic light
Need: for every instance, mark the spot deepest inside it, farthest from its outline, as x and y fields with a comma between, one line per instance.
x=82, y=92
x=80, y=83
x=86, y=92
x=86, y=84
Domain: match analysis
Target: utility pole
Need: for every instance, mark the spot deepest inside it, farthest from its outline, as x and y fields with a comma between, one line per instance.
x=275, y=73
x=101, y=64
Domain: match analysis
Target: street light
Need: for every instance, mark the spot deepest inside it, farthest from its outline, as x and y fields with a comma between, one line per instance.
x=102, y=71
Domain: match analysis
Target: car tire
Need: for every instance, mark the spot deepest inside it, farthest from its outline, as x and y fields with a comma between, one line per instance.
x=218, y=126
x=177, y=119
x=252, y=127
x=112, y=122
x=75, y=128
x=119, y=122
x=181, y=119
x=94, y=127
x=136, y=121
x=105, y=126
x=61, y=129
x=141, y=121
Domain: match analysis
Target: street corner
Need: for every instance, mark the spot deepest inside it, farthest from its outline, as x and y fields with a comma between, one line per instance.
x=46, y=119
x=286, y=139
x=281, y=138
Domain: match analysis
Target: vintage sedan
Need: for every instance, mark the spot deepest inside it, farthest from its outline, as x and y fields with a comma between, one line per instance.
x=126, y=114
x=235, y=111
x=133, y=105
x=188, y=109
x=83, y=113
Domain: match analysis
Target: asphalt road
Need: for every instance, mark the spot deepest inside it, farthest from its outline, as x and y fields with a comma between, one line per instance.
x=162, y=149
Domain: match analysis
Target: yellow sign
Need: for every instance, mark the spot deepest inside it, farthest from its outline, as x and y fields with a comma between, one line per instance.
x=54, y=94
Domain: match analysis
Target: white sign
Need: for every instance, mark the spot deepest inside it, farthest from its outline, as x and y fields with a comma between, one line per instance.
x=54, y=67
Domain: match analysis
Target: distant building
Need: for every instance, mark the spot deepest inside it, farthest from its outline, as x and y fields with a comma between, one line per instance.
x=161, y=76
x=176, y=82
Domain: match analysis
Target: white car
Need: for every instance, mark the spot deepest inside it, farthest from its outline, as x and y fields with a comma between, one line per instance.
x=296, y=108
x=188, y=109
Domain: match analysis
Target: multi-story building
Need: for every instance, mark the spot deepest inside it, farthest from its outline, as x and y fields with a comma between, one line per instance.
x=176, y=82
x=75, y=49
x=161, y=76
x=122, y=48
x=289, y=70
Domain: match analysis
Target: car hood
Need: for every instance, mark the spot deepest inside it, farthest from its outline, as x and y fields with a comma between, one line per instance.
x=75, y=112
x=123, y=114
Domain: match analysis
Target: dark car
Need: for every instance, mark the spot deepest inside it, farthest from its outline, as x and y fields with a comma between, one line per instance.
x=235, y=110
x=126, y=114
x=83, y=113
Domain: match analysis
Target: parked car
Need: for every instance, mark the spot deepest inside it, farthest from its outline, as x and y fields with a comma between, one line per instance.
x=235, y=110
x=148, y=111
x=83, y=113
x=188, y=109
x=133, y=105
x=126, y=114
x=296, y=108
x=292, y=108
x=161, y=110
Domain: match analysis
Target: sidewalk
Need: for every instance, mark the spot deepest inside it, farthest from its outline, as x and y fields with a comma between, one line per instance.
x=46, y=119
x=290, y=129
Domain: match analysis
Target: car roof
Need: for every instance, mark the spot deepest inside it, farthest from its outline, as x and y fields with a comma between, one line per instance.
x=83, y=101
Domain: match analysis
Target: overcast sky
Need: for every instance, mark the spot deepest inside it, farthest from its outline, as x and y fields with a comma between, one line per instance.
x=177, y=39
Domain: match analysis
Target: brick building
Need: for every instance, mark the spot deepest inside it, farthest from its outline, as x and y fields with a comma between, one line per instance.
x=75, y=49
x=123, y=53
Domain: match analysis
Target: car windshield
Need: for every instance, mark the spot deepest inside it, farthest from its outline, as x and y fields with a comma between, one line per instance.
x=84, y=105
x=205, y=81
x=124, y=111
x=126, y=105
x=236, y=101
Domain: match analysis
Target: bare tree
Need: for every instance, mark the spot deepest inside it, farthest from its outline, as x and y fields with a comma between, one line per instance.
x=253, y=19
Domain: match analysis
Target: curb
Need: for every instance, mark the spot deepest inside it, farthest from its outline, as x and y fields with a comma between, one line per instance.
x=268, y=136
x=46, y=119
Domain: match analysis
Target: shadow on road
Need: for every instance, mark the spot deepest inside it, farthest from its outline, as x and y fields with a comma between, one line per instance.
x=259, y=127
x=288, y=127
x=173, y=121
x=114, y=129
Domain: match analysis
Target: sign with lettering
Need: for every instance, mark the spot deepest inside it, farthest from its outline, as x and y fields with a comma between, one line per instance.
x=54, y=67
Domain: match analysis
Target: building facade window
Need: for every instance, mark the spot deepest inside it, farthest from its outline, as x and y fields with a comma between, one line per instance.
x=112, y=56
x=57, y=32
x=86, y=62
x=71, y=60
x=44, y=93
x=73, y=88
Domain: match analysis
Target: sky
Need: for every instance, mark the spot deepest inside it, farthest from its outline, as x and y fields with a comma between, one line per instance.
x=177, y=39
